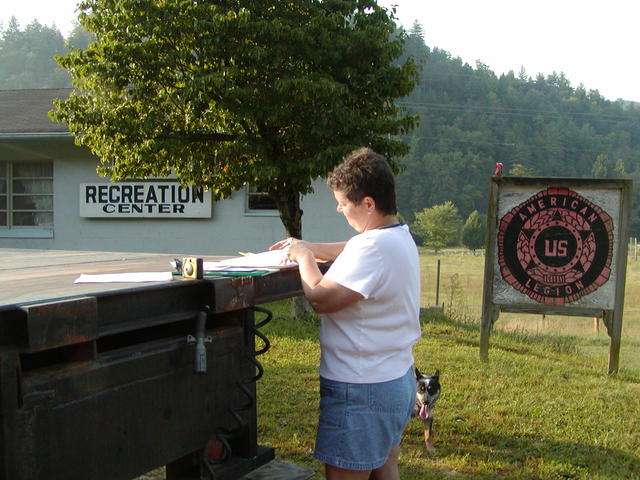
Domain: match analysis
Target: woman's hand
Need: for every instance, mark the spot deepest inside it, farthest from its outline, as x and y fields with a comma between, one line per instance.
x=283, y=243
x=298, y=250
x=321, y=251
x=288, y=244
x=294, y=249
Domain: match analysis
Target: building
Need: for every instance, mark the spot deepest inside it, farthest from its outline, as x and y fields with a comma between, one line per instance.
x=52, y=198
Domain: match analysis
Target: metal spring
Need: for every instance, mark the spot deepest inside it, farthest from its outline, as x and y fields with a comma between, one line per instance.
x=224, y=434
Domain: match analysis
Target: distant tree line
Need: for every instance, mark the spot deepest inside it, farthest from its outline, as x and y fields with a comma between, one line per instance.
x=470, y=119
x=27, y=55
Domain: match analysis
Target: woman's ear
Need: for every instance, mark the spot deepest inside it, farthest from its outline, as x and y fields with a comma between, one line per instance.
x=370, y=203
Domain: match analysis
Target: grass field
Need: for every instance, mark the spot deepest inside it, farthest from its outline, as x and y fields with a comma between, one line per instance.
x=461, y=280
x=542, y=408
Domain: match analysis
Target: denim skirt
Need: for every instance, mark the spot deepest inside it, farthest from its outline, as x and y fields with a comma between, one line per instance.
x=360, y=422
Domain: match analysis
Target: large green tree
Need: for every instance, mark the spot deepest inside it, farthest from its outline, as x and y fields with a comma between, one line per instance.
x=224, y=93
x=438, y=226
x=473, y=231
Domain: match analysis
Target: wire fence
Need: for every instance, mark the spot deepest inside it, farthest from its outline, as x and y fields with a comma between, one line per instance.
x=453, y=280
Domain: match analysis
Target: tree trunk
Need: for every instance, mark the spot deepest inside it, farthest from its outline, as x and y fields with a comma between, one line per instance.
x=300, y=307
x=290, y=213
x=291, y=217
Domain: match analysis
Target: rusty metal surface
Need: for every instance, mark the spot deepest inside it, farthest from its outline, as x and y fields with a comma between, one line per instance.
x=127, y=412
x=61, y=323
x=53, y=312
x=97, y=381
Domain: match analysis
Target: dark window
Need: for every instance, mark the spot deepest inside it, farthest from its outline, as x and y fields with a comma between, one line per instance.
x=259, y=201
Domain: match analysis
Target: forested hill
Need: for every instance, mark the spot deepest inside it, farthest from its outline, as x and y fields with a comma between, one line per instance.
x=469, y=119
x=543, y=126
x=26, y=55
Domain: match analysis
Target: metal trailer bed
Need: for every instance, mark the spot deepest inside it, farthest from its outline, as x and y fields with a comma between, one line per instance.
x=112, y=381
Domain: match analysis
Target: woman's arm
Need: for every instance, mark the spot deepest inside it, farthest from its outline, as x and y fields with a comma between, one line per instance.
x=321, y=251
x=325, y=296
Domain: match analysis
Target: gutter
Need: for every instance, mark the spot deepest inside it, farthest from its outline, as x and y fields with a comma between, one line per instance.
x=30, y=135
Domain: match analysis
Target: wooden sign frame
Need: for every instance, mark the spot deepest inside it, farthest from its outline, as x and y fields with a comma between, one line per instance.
x=557, y=246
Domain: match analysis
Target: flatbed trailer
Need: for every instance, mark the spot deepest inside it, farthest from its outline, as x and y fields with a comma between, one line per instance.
x=111, y=381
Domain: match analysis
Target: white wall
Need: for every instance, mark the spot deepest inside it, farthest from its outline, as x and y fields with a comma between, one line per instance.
x=228, y=231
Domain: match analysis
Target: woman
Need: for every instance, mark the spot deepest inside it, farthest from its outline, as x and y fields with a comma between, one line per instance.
x=369, y=301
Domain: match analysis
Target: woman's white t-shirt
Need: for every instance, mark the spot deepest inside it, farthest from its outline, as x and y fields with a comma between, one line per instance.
x=371, y=340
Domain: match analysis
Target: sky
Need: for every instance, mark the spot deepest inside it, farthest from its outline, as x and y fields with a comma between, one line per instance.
x=593, y=42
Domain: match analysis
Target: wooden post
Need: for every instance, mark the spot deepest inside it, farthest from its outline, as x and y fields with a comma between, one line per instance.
x=489, y=310
x=489, y=316
x=615, y=319
x=438, y=282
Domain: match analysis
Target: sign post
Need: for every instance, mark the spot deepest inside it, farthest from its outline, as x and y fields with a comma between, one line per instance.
x=557, y=246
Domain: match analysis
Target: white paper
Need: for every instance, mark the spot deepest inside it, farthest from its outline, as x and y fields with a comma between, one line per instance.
x=264, y=260
x=130, y=277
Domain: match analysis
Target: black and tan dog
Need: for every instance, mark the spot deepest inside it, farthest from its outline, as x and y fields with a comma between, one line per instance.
x=428, y=391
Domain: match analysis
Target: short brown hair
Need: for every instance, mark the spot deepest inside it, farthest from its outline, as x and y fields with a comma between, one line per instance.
x=365, y=173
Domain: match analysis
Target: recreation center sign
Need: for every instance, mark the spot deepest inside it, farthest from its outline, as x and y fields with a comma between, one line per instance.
x=143, y=200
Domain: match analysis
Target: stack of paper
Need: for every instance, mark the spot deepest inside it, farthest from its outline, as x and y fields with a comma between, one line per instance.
x=270, y=260
x=132, y=277
x=256, y=264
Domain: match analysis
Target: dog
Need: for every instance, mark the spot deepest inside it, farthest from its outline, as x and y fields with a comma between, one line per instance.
x=427, y=393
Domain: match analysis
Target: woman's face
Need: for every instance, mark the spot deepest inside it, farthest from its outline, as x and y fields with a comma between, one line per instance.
x=357, y=216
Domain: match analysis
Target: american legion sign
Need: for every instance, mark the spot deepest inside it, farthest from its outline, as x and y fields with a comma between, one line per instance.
x=557, y=246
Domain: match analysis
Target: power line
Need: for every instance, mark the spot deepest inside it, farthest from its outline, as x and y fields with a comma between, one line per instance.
x=511, y=144
x=523, y=112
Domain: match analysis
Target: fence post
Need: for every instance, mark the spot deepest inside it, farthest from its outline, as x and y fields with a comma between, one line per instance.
x=437, y=283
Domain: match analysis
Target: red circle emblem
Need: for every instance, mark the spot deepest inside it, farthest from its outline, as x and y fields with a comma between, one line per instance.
x=556, y=246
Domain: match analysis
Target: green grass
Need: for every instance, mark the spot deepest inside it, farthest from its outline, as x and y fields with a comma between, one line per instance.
x=540, y=409
x=461, y=281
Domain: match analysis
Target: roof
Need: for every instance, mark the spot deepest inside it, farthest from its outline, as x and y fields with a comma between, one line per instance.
x=25, y=111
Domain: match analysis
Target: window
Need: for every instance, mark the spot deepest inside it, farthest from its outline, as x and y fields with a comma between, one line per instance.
x=26, y=195
x=3, y=194
x=260, y=202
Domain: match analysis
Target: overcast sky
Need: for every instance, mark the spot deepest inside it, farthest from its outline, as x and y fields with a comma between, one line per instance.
x=593, y=42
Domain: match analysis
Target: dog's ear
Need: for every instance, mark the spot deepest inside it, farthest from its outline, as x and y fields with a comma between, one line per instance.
x=437, y=374
x=417, y=372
